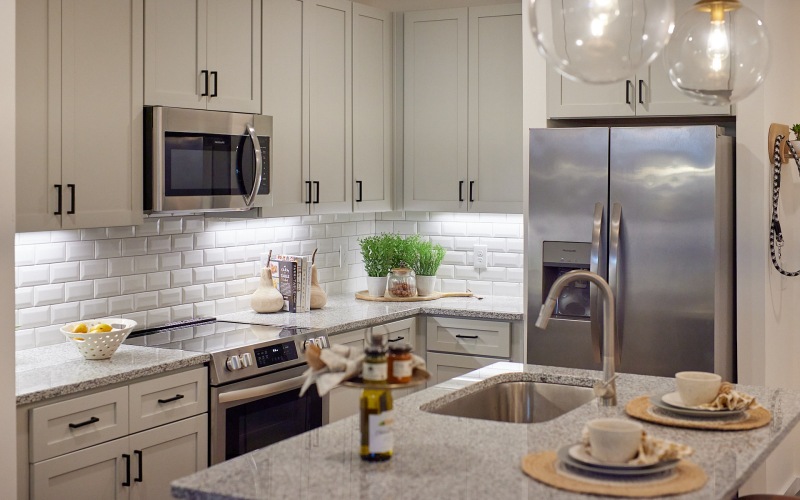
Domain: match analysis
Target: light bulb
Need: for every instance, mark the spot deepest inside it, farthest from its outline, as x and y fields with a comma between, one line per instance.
x=601, y=41
x=719, y=52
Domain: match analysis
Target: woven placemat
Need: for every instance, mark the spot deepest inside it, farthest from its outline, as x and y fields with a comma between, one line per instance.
x=642, y=409
x=546, y=468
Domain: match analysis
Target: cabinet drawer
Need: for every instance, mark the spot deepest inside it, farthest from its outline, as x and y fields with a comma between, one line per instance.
x=70, y=425
x=469, y=336
x=169, y=398
x=444, y=367
x=399, y=332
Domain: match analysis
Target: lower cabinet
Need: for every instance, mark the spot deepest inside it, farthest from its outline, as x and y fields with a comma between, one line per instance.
x=444, y=367
x=139, y=466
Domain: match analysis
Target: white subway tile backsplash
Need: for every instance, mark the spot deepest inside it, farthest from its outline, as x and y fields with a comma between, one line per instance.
x=465, y=273
x=447, y=242
x=456, y=258
x=193, y=258
x=181, y=277
x=515, y=274
x=516, y=245
x=133, y=284
x=193, y=224
x=80, y=250
x=181, y=312
x=49, y=335
x=120, y=305
x=464, y=244
x=65, y=313
x=204, y=310
x=182, y=242
x=24, y=339
x=245, y=269
x=226, y=306
x=36, y=238
x=507, y=289
x=492, y=274
x=430, y=228
x=508, y=230
x=158, y=281
x=49, y=253
x=34, y=316
x=105, y=249
x=449, y=285
x=148, y=228
x=382, y=226
x=64, y=272
x=145, y=263
x=171, y=226
x=96, y=308
x=226, y=239
x=169, y=261
x=134, y=246
x=235, y=254
x=23, y=297
x=214, y=256
x=156, y=317
x=64, y=235
x=507, y=259
x=78, y=290
x=446, y=271
x=159, y=244
x=121, y=266
x=224, y=272
x=204, y=240
x=193, y=293
x=454, y=228
x=108, y=287
x=234, y=288
x=215, y=291
x=98, y=233
x=479, y=287
x=203, y=274
x=494, y=244
x=145, y=300
x=121, y=232
x=91, y=269
x=34, y=275
x=48, y=294
x=24, y=256
x=169, y=297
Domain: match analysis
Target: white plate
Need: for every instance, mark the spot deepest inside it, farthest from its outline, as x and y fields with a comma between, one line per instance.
x=659, y=468
x=658, y=402
x=578, y=452
x=674, y=399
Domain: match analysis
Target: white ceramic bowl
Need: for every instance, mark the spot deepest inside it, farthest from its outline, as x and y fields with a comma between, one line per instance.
x=697, y=388
x=99, y=345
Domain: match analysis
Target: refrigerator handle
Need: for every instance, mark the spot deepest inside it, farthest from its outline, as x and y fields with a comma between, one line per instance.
x=613, y=270
x=594, y=266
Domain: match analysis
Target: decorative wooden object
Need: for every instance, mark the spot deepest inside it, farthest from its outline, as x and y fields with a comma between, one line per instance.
x=775, y=130
x=266, y=298
x=318, y=296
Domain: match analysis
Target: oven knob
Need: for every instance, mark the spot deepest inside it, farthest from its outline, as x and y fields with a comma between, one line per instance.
x=322, y=342
x=246, y=359
x=307, y=343
x=234, y=363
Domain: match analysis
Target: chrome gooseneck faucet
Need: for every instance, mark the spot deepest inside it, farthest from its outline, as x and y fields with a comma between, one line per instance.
x=606, y=390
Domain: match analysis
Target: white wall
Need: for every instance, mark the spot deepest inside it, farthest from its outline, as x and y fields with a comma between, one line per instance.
x=8, y=460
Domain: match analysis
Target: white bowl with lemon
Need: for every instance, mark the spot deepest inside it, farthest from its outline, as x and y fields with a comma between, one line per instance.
x=98, y=338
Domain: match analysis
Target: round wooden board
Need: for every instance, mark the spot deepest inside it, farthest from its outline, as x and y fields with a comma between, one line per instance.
x=642, y=409
x=364, y=295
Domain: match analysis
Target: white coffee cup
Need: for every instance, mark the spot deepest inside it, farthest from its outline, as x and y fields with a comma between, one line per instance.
x=697, y=388
x=614, y=440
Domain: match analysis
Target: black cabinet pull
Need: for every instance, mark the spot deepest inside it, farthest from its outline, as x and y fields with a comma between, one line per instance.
x=58, y=188
x=628, y=85
x=138, y=479
x=316, y=185
x=72, y=199
x=641, y=91
x=308, y=199
x=81, y=424
x=398, y=339
x=170, y=400
x=460, y=190
x=466, y=336
x=216, y=84
x=471, y=185
x=127, y=459
x=360, y=190
x=205, y=78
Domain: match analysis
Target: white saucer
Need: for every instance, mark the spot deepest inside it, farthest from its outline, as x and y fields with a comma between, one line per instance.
x=612, y=469
x=674, y=399
x=579, y=453
x=659, y=403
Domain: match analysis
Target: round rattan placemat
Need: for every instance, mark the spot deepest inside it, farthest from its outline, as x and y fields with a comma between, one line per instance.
x=642, y=409
x=545, y=468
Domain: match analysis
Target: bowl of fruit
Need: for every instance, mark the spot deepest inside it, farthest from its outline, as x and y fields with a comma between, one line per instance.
x=98, y=338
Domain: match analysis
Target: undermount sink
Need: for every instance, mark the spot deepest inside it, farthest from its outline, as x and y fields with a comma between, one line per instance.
x=522, y=402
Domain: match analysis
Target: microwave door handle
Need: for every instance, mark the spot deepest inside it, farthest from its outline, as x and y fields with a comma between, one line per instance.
x=261, y=390
x=594, y=266
x=249, y=200
x=614, y=245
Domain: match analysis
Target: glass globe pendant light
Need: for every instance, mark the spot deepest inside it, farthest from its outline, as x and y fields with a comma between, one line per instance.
x=601, y=41
x=719, y=52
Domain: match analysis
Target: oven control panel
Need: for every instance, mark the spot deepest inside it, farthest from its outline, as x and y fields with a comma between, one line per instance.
x=274, y=354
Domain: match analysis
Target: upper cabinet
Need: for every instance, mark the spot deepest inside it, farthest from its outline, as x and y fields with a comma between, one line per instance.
x=203, y=54
x=463, y=109
x=79, y=113
x=648, y=93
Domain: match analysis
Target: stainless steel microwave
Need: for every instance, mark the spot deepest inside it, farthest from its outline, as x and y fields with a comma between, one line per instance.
x=205, y=161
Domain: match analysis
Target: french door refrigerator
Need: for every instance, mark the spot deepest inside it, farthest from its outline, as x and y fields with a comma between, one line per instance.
x=651, y=210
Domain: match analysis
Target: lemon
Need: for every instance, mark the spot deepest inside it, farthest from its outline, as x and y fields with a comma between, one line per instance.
x=100, y=328
x=80, y=328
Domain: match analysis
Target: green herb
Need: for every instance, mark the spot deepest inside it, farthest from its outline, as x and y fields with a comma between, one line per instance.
x=379, y=253
x=796, y=130
x=430, y=256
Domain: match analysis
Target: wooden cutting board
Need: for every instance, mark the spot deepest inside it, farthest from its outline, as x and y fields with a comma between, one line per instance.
x=364, y=295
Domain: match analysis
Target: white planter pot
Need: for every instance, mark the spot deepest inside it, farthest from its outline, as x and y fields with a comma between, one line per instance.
x=376, y=287
x=426, y=284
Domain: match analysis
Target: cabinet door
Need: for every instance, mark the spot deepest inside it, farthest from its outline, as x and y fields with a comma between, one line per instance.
x=444, y=367
x=175, y=53
x=495, y=109
x=38, y=141
x=435, y=110
x=327, y=33
x=344, y=401
x=95, y=472
x=405, y=332
x=283, y=100
x=100, y=92
x=234, y=55
x=165, y=454
x=569, y=99
x=372, y=109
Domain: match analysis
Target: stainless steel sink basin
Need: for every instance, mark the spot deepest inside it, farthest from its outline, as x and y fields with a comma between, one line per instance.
x=523, y=402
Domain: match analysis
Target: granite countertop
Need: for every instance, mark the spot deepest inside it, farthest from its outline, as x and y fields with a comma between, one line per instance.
x=57, y=370
x=438, y=456
x=344, y=312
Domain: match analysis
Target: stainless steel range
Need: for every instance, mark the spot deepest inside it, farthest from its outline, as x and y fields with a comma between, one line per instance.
x=255, y=376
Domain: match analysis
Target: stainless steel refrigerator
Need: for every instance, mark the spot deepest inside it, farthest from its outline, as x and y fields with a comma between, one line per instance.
x=651, y=210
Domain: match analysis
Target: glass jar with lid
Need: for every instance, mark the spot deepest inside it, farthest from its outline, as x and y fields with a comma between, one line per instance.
x=402, y=282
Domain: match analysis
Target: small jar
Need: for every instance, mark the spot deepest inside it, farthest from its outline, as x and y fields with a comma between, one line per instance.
x=374, y=368
x=399, y=361
x=402, y=283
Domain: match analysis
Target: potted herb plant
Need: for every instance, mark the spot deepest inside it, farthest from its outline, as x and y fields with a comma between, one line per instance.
x=429, y=257
x=379, y=253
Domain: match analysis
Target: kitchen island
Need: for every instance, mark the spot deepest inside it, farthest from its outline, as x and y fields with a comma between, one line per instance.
x=438, y=456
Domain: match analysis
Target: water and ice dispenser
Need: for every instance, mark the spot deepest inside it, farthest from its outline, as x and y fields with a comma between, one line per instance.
x=561, y=257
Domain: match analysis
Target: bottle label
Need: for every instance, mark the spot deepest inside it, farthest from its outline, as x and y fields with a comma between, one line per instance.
x=401, y=368
x=376, y=372
x=381, y=439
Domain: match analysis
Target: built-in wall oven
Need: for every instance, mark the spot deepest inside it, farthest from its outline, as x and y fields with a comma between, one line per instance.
x=255, y=375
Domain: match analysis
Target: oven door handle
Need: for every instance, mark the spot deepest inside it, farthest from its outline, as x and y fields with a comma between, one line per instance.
x=248, y=200
x=261, y=391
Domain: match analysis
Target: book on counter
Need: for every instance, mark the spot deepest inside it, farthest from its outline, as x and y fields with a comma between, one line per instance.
x=291, y=275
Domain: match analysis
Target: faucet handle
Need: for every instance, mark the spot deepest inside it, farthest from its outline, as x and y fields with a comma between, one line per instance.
x=607, y=389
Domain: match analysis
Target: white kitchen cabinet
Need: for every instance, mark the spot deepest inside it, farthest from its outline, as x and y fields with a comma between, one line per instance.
x=203, y=54
x=372, y=109
x=647, y=93
x=444, y=367
x=462, y=104
x=79, y=115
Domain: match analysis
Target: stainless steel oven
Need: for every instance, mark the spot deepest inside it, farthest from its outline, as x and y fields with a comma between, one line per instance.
x=205, y=161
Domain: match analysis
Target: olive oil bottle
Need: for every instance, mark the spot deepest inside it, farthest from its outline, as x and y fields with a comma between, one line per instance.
x=377, y=418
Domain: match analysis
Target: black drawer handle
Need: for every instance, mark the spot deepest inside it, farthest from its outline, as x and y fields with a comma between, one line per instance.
x=308, y=199
x=216, y=83
x=316, y=185
x=81, y=424
x=138, y=479
x=58, y=188
x=127, y=459
x=471, y=186
x=460, y=190
x=398, y=339
x=641, y=91
x=72, y=199
x=628, y=85
x=466, y=336
x=170, y=400
x=360, y=190
x=205, y=78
